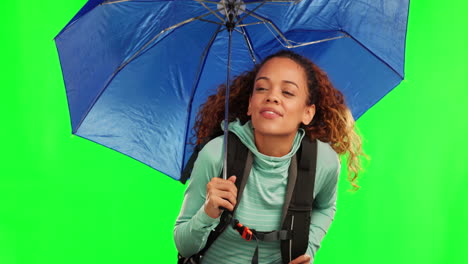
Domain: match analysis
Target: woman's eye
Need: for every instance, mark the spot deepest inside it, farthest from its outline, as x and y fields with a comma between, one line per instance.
x=288, y=93
x=259, y=89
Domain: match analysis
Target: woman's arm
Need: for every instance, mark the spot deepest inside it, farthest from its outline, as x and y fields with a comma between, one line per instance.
x=324, y=209
x=193, y=225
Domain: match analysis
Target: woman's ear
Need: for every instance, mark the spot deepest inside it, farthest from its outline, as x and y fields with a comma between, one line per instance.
x=309, y=113
x=249, y=112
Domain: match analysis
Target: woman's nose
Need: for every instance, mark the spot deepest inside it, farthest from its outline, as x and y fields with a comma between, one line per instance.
x=272, y=98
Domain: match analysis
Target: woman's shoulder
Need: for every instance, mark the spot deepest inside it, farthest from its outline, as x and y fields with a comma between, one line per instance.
x=212, y=151
x=209, y=161
x=327, y=157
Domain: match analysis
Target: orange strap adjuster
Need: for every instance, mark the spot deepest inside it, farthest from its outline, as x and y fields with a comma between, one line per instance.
x=244, y=231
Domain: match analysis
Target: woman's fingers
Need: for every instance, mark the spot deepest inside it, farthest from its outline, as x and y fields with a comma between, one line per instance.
x=213, y=205
x=227, y=196
x=224, y=203
x=303, y=259
x=216, y=200
x=220, y=194
x=218, y=184
x=224, y=185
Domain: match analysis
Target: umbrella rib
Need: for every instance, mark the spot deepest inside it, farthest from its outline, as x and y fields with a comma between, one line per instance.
x=208, y=2
x=120, y=1
x=209, y=21
x=250, y=12
x=249, y=24
x=282, y=2
x=224, y=7
x=288, y=42
x=248, y=3
x=278, y=31
x=249, y=44
x=301, y=44
x=125, y=63
x=317, y=41
x=114, y=2
x=197, y=80
x=211, y=11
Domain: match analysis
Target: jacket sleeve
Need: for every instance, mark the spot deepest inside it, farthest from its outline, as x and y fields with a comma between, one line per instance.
x=193, y=225
x=324, y=209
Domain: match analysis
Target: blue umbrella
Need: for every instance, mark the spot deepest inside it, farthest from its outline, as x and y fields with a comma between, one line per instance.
x=136, y=72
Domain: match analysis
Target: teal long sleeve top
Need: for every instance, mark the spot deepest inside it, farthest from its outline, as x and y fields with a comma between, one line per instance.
x=261, y=205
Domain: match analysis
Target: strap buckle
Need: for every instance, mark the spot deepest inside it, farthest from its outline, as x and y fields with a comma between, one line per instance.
x=244, y=231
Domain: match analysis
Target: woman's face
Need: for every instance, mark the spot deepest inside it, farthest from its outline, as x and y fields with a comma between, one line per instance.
x=278, y=102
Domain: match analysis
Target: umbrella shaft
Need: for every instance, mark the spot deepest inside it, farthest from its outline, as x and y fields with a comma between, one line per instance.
x=226, y=107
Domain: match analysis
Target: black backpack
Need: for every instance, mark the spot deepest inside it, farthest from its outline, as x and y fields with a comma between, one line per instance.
x=294, y=234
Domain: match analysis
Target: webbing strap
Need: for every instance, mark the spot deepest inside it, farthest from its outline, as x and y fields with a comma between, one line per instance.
x=292, y=176
x=255, y=255
x=242, y=179
x=189, y=166
x=297, y=218
x=268, y=237
x=273, y=235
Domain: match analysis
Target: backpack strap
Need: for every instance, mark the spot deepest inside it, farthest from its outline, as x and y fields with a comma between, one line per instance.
x=189, y=166
x=299, y=202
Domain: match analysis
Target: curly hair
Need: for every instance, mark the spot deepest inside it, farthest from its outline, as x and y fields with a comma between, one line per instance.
x=333, y=122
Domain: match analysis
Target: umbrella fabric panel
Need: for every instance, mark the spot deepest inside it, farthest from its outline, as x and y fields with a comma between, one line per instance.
x=144, y=111
x=380, y=26
x=85, y=9
x=107, y=38
x=91, y=4
x=360, y=76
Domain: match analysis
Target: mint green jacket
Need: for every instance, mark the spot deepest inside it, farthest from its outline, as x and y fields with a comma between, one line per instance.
x=261, y=205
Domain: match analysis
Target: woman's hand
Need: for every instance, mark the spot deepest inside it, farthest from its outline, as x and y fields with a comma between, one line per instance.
x=220, y=193
x=304, y=259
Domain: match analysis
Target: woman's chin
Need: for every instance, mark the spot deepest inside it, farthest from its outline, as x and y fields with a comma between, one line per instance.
x=273, y=130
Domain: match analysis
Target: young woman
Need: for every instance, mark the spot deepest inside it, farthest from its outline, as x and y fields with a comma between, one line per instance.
x=272, y=107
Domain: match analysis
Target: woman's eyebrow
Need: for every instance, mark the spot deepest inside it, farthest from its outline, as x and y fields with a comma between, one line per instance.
x=262, y=78
x=268, y=79
x=291, y=82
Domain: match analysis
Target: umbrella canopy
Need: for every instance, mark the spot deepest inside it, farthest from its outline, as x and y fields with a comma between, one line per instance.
x=136, y=72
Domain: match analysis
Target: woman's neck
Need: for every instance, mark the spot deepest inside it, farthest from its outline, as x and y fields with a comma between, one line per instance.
x=272, y=145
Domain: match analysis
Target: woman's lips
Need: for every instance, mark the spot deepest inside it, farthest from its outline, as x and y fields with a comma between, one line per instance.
x=269, y=114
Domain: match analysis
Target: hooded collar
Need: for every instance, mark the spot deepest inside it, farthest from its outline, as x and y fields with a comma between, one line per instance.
x=262, y=161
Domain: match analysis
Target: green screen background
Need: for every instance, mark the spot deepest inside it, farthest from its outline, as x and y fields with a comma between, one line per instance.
x=64, y=199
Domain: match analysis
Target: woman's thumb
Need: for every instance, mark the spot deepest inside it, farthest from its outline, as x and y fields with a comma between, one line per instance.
x=232, y=179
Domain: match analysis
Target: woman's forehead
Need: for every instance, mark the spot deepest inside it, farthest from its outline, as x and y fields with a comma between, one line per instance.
x=279, y=68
